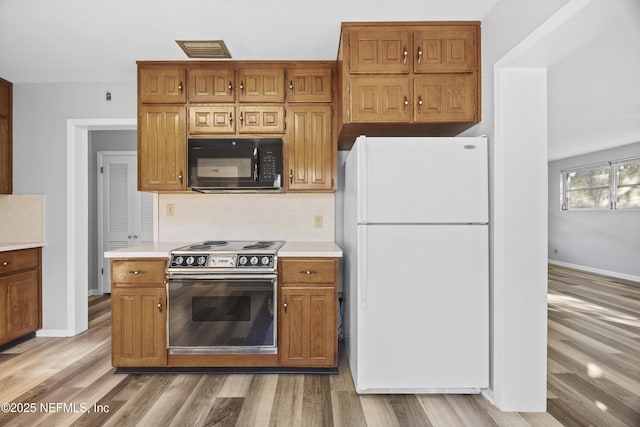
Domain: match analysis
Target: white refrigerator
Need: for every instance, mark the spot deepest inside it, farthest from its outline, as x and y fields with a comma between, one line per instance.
x=416, y=270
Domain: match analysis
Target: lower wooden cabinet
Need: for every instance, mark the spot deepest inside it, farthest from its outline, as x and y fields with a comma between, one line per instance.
x=138, y=313
x=308, y=328
x=20, y=293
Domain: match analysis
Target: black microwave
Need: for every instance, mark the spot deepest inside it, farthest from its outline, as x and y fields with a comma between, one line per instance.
x=235, y=164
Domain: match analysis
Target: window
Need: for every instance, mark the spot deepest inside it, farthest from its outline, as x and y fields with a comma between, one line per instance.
x=627, y=184
x=611, y=185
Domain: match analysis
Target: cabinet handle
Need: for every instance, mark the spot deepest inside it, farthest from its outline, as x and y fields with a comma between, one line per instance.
x=290, y=87
x=420, y=104
x=230, y=118
x=290, y=176
x=180, y=86
x=230, y=86
x=137, y=272
x=180, y=176
x=5, y=263
x=285, y=303
x=241, y=86
x=159, y=303
x=308, y=272
x=241, y=118
x=406, y=104
x=405, y=53
x=419, y=55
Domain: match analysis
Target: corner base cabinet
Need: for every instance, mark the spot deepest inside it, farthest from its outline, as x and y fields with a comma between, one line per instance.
x=138, y=312
x=20, y=293
x=308, y=315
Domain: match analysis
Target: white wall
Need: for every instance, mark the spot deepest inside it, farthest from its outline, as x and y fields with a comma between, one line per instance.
x=606, y=241
x=41, y=112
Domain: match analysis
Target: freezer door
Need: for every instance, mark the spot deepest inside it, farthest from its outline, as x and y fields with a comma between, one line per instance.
x=423, y=180
x=423, y=317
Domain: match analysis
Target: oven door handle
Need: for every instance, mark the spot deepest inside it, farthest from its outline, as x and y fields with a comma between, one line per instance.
x=221, y=277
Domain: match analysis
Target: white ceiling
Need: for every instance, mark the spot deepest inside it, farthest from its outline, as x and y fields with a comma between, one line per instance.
x=593, y=72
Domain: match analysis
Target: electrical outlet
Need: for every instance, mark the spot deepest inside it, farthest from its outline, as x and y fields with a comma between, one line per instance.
x=318, y=221
x=170, y=209
x=555, y=251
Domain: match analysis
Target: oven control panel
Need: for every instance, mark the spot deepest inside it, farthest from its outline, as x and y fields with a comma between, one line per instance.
x=223, y=261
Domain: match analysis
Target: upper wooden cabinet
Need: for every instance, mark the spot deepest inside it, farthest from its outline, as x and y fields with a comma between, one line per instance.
x=408, y=79
x=211, y=85
x=6, y=137
x=310, y=84
x=261, y=85
x=162, y=85
x=162, y=148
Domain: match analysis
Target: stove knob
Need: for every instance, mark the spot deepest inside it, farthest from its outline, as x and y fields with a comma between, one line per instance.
x=254, y=260
x=265, y=260
x=242, y=260
x=190, y=260
x=178, y=260
x=202, y=260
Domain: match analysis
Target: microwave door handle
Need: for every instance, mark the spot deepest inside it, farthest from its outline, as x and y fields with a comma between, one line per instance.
x=255, y=163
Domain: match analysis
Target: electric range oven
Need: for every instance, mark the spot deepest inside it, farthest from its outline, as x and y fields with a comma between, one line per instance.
x=222, y=298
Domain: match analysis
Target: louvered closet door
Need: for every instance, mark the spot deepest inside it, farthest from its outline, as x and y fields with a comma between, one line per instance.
x=127, y=213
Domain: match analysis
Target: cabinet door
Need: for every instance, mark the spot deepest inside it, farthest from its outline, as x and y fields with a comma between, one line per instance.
x=261, y=119
x=309, y=148
x=6, y=136
x=308, y=326
x=211, y=119
x=211, y=85
x=19, y=300
x=138, y=326
x=161, y=148
x=261, y=85
x=446, y=49
x=162, y=86
x=309, y=85
x=380, y=51
x=380, y=99
x=445, y=98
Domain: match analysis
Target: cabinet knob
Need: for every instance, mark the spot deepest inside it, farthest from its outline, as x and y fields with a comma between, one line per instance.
x=285, y=304
x=159, y=303
x=230, y=118
x=406, y=104
x=5, y=263
x=241, y=86
x=290, y=176
x=180, y=176
x=405, y=53
x=137, y=272
x=290, y=87
x=241, y=118
x=308, y=272
x=419, y=55
x=180, y=86
x=230, y=86
x=420, y=104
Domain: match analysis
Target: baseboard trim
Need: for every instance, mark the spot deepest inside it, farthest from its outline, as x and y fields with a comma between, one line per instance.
x=53, y=333
x=596, y=270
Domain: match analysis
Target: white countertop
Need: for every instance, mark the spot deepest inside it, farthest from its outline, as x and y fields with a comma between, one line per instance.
x=14, y=246
x=290, y=249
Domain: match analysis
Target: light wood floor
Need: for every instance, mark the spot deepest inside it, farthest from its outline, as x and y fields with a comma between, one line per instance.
x=593, y=357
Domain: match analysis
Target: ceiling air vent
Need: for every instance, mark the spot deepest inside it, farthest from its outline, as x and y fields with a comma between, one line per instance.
x=204, y=48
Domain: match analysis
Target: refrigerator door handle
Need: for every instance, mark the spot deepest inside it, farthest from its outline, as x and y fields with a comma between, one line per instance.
x=363, y=267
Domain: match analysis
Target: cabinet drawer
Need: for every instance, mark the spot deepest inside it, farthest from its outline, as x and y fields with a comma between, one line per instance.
x=18, y=260
x=305, y=270
x=138, y=271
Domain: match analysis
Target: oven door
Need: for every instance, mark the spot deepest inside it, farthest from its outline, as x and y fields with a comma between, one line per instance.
x=212, y=314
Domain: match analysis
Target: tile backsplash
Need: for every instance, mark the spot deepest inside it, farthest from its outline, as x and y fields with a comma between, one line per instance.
x=21, y=218
x=250, y=216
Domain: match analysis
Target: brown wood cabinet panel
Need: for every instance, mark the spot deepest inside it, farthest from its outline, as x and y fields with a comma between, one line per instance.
x=380, y=99
x=309, y=85
x=261, y=84
x=261, y=119
x=445, y=98
x=446, y=49
x=309, y=270
x=138, y=326
x=162, y=148
x=212, y=119
x=6, y=137
x=24, y=259
x=211, y=85
x=380, y=50
x=310, y=159
x=138, y=271
x=308, y=327
x=161, y=85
